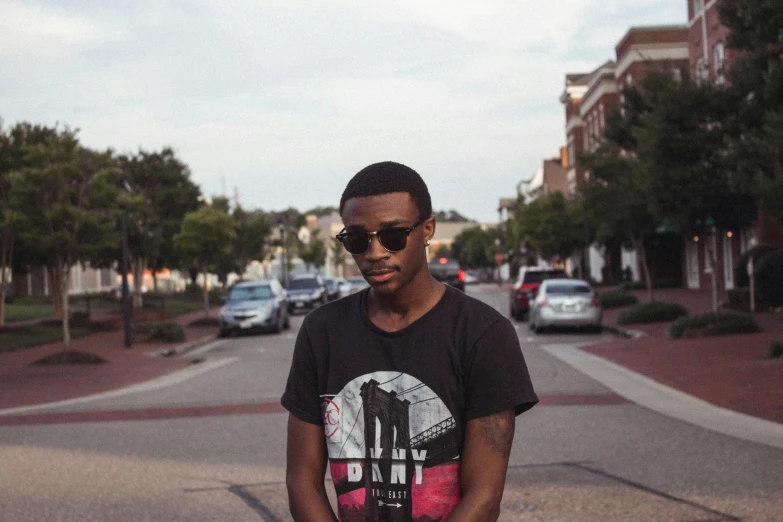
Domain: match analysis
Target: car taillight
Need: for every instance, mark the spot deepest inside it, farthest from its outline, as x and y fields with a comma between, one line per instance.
x=461, y=276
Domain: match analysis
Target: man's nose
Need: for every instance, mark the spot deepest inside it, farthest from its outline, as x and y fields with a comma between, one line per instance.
x=375, y=250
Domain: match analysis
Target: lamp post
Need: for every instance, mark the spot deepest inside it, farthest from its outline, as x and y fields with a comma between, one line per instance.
x=127, y=306
x=284, y=264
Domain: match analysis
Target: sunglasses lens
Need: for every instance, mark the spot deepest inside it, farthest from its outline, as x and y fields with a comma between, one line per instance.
x=393, y=240
x=355, y=243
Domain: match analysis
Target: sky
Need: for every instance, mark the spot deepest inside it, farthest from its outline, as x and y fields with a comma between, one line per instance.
x=285, y=101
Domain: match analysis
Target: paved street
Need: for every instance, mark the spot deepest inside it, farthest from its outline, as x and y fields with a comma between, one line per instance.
x=207, y=443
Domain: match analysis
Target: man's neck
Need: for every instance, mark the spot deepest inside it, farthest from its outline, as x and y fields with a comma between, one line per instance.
x=396, y=311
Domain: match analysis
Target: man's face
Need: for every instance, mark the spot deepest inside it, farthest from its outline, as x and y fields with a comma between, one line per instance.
x=387, y=271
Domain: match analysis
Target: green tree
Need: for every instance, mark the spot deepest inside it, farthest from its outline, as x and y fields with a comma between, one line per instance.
x=161, y=193
x=450, y=216
x=551, y=225
x=314, y=252
x=443, y=251
x=66, y=197
x=475, y=247
x=756, y=81
x=204, y=240
x=253, y=230
x=338, y=254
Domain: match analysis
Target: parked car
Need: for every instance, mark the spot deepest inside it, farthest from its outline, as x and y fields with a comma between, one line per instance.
x=306, y=292
x=526, y=287
x=343, y=287
x=253, y=306
x=566, y=302
x=332, y=288
x=357, y=284
x=448, y=271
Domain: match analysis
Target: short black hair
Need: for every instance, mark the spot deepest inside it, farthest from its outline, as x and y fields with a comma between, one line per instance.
x=387, y=177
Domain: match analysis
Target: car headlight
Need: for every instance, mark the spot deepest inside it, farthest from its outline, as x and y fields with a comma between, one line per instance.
x=266, y=309
x=316, y=294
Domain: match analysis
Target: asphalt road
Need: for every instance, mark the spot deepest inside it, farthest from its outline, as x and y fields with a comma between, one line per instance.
x=582, y=454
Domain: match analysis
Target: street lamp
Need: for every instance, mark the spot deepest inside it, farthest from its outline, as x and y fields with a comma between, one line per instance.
x=127, y=310
x=281, y=228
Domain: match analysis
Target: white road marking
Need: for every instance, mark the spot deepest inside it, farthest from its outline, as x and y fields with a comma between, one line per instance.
x=154, y=384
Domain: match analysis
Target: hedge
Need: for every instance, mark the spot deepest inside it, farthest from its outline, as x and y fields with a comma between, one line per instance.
x=711, y=324
x=660, y=285
x=164, y=331
x=769, y=278
x=617, y=299
x=741, y=270
x=654, y=312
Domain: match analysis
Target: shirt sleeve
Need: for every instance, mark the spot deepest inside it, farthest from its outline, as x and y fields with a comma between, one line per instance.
x=301, y=395
x=496, y=375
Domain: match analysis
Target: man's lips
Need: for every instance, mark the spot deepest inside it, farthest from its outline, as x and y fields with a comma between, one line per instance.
x=379, y=276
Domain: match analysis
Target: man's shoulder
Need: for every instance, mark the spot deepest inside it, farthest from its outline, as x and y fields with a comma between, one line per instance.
x=333, y=313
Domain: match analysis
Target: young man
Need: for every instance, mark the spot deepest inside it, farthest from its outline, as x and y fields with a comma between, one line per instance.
x=409, y=388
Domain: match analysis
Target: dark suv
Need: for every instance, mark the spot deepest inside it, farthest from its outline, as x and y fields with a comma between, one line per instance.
x=306, y=292
x=526, y=288
x=448, y=271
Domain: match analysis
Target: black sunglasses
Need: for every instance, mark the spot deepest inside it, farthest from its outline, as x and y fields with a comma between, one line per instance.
x=392, y=239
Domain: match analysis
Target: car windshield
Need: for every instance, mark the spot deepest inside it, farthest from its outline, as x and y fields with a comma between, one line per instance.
x=249, y=293
x=358, y=281
x=302, y=284
x=567, y=288
x=543, y=275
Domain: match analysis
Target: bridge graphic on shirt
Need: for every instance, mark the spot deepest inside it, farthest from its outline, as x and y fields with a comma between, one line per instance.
x=440, y=441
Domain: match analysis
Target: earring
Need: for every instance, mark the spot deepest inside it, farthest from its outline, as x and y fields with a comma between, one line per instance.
x=428, y=242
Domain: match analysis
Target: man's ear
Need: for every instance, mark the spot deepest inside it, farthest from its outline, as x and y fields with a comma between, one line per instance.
x=429, y=228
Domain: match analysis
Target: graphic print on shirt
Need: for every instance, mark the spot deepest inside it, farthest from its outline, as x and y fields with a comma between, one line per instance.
x=393, y=450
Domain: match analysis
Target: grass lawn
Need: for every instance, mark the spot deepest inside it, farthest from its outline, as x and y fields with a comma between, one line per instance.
x=20, y=310
x=35, y=335
x=176, y=307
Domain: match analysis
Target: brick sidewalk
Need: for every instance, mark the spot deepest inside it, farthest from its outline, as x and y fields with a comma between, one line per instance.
x=23, y=384
x=729, y=371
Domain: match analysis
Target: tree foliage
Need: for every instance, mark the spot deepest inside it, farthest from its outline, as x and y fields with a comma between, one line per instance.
x=205, y=240
x=475, y=247
x=551, y=225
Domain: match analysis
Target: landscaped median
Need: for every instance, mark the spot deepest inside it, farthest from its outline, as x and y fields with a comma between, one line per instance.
x=652, y=312
x=34, y=325
x=711, y=324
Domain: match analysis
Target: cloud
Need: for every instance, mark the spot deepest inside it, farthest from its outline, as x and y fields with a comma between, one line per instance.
x=288, y=100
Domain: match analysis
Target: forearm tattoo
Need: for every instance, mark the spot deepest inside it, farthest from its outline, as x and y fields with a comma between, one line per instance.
x=498, y=431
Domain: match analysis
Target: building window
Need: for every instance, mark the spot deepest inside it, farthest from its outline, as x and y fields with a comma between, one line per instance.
x=628, y=79
x=571, y=153
x=719, y=60
x=697, y=5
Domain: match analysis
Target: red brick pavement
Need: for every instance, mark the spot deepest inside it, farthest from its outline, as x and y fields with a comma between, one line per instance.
x=729, y=371
x=24, y=384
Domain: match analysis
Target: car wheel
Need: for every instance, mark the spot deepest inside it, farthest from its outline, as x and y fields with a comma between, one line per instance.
x=223, y=333
x=287, y=322
x=278, y=327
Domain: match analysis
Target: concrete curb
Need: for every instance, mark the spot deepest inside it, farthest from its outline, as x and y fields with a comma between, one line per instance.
x=184, y=348
x=622, y=332
x=668, y=401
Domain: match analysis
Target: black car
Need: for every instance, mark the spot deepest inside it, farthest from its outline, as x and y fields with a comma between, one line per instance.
x=306, y=292
x=448, y=271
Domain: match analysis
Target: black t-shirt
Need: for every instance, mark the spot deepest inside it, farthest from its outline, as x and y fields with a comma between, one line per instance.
x=394, y=404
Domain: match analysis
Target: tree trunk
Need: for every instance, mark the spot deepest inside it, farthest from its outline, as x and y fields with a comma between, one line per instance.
x=206, y=293
x=53, y=273
x=62, y=283
x=641, y=254
x=138, y=264
x=6, y=257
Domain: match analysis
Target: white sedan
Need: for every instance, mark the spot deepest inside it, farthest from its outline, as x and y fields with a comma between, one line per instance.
x=566, y=302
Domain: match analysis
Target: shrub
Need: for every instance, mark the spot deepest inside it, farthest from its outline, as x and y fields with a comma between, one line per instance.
x=769, y=277
x=758, y=252
x=655, y=312
x=80, y=317
x=739, y=298
x=164, y=331
x=775, y=349
x=617, y=299
x=710, y=324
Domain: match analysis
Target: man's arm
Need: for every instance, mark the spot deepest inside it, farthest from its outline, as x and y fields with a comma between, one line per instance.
x=484, y=464
x=305, y=470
